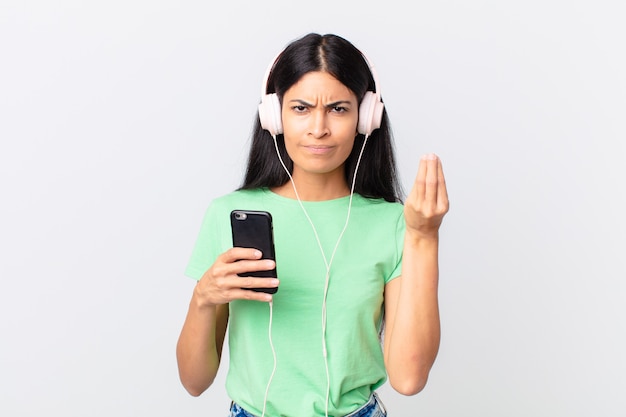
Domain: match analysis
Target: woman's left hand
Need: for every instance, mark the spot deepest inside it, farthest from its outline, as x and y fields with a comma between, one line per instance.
x=427, y=202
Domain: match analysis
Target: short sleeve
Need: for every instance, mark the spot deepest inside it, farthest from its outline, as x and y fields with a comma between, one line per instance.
x=212, y=240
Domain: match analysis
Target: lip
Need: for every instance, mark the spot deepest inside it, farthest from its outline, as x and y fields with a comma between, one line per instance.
x=318, y=149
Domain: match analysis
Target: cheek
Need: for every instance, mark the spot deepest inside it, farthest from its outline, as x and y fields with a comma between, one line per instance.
x=347, y=128
x=292, y=130
x=289, y=138
x=289, y=135
x=346, y=148
x=291, y=122
x=289, y=147
x=348, y=132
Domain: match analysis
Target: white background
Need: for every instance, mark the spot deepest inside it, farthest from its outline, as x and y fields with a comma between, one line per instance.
x=121, y=120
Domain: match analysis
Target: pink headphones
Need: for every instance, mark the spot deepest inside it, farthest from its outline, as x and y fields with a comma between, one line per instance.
x=370, y=110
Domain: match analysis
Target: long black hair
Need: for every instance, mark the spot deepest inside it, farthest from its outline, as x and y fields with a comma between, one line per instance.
x=377, y=176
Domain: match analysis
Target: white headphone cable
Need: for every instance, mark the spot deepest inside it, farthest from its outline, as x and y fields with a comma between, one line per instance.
x=326, y=262
x=267, y=388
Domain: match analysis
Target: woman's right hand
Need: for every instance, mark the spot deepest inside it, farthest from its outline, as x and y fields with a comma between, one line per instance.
x=220, y=284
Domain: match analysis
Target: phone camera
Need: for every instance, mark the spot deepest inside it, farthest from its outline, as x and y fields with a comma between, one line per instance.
x=240, y=216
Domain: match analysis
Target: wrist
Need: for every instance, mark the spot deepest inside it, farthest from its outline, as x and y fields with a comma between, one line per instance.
x=420, y=238
x=200, y=301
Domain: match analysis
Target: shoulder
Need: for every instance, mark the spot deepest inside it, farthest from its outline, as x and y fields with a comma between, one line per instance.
x=222, y=206
x=378, y=207
x=234, y=199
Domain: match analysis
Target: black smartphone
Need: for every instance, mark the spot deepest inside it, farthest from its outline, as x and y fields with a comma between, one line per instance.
x=254, y=229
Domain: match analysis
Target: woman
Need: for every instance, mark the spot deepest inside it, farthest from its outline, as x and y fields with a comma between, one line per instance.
x=349, y=254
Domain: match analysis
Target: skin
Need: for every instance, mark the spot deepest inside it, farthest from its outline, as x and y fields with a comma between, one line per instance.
x=320, y=117
x=412, y=332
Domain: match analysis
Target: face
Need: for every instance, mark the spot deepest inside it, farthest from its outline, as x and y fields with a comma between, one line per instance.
x=319, y=116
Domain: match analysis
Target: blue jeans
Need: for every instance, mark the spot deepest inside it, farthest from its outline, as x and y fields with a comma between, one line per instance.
x=373, y=408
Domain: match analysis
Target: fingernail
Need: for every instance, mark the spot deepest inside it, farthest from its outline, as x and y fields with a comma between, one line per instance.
x=257, y=253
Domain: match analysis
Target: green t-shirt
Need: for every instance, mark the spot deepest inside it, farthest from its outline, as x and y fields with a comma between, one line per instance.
x=369, y=255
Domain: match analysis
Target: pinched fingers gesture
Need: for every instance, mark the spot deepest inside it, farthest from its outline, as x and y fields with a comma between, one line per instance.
x=427, y=202
x=220, y=284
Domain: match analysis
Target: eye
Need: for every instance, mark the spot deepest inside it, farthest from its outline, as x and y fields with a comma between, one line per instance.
x=299, y=108
x=339, y=109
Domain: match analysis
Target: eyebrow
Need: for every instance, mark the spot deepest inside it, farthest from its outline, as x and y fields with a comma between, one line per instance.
x=329, y=105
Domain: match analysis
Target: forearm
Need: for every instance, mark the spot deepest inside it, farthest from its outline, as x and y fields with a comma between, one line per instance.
x=199, y=347
x=413, y=342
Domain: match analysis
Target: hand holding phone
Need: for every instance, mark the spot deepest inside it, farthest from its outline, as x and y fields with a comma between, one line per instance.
x=254, y=229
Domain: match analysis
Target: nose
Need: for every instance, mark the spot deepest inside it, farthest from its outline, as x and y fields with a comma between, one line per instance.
x=319, y=126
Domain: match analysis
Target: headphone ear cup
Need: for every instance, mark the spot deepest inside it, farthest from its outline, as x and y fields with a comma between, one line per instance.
x=270, y=114
x=370, y=113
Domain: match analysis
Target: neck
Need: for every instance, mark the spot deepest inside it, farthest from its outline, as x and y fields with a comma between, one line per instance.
x=314, y=188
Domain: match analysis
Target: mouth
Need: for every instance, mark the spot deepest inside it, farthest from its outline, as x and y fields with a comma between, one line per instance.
x=318, y=149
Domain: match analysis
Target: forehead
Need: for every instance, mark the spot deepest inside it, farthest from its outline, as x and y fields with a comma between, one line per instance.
x=319, y=83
